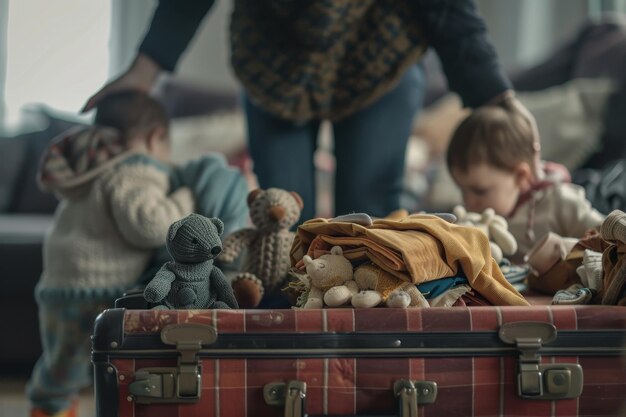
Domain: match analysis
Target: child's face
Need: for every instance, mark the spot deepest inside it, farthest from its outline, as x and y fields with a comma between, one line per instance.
x=484, y=186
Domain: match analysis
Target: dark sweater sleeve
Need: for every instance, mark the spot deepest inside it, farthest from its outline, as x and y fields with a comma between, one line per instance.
x=469, y=60
x=173, y=25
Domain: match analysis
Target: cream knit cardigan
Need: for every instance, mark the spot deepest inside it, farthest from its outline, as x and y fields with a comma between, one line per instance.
x=105, y=230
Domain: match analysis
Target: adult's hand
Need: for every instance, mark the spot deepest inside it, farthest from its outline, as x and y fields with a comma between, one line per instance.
x=509, y=102
x=140, y=76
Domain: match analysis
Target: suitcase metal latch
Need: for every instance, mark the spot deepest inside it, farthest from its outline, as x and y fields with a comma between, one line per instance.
x=181, y=384
x=292, y=396
x=535, y=380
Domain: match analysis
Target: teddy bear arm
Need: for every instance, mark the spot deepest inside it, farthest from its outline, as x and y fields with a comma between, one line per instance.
x=235, y=243
x=158, y=288
x=338, y=295
x=222, y=288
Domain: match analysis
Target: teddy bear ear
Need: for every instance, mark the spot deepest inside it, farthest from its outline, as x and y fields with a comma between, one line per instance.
x=298, y=199
x=307, y=259
x=336, y=250
x=253, y=194
x=219, y=225
x=171, y=233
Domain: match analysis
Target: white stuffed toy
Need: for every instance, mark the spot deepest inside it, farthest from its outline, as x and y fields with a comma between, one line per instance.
x=496, y=228
x=379, y=286
x=331, y=280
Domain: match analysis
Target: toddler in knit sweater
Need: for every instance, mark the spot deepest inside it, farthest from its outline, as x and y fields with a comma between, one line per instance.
x=113, y=179
x=494, y=158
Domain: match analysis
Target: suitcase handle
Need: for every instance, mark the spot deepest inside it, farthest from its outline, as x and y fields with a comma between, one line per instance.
x=409, y=394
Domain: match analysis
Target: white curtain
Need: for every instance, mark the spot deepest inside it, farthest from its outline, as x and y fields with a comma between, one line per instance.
x=4, y=9
x=56, y=55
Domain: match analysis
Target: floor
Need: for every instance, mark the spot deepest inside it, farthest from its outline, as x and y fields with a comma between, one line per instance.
x=13, y=403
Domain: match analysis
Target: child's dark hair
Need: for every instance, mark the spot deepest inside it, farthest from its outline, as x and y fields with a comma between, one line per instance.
x=492, y=135
x=132, y=112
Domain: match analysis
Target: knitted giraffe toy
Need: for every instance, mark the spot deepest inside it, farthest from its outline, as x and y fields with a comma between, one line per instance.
x=191, y=281
x=266, y=262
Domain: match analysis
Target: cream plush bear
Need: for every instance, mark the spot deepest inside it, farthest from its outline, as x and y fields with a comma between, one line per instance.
x=377, y=286
x=496, y=228
x=330, y=278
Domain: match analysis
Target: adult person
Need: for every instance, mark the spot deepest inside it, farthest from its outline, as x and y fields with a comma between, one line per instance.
x=353, y=62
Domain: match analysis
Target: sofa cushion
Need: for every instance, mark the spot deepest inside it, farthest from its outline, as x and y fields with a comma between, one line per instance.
x=13, y=151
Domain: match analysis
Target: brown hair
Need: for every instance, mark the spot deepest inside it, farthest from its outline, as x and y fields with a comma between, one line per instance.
x=132, y=112
x=493, y=135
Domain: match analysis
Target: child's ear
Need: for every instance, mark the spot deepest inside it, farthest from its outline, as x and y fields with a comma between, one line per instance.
x=155, y=136
x=524, y=175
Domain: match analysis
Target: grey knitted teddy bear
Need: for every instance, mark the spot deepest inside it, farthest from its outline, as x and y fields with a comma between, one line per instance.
x=191, y=281
x=266, y=263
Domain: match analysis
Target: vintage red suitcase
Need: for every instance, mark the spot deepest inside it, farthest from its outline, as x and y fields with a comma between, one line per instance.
x=480, y=361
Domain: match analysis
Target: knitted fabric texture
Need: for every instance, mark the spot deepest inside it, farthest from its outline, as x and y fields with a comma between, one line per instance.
x=111, y=217
x=333, y=59
x=79, y=151
x=273, y=212
x=191, y=281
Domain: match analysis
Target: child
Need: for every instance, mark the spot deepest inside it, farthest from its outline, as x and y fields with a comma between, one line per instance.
x=116, y=206
x=493, y=157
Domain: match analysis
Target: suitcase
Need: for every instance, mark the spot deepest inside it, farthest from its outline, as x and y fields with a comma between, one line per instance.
x=479, y=361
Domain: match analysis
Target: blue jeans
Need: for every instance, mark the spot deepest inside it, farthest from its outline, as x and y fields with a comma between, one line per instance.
x=369, y=145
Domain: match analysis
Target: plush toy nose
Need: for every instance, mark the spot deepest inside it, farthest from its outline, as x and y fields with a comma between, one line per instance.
x=276, y=212
x=216, y=250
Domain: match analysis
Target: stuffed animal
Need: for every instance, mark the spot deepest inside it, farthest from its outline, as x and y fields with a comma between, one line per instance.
x=496, y=228
x=191, y=281
x=331, y=280
x=379, y=286
x=266, y=262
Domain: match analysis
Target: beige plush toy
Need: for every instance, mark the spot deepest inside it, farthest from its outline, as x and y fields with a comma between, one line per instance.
x=379, y=286
x=266, y=262
x=494, y=226
x=331, y=280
